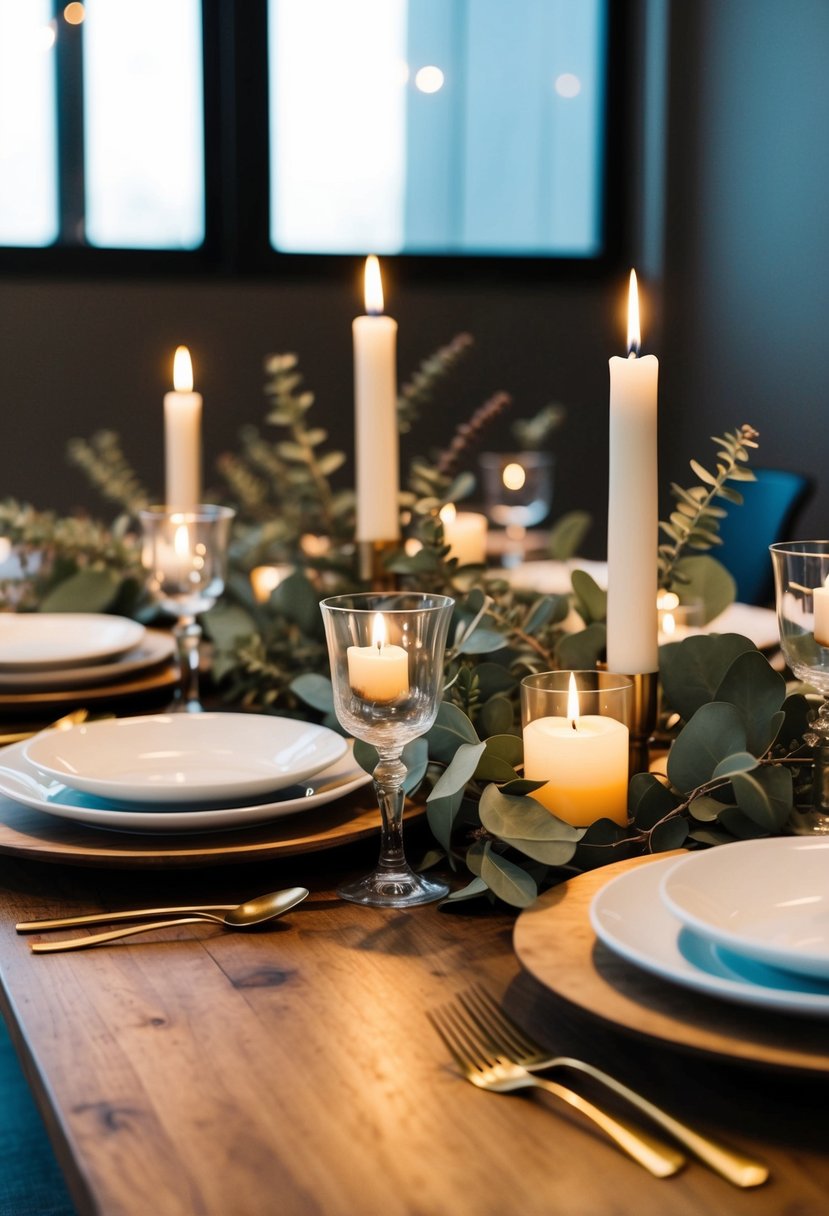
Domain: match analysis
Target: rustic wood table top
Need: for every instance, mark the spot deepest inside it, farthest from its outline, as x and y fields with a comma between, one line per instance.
x=292, y=1070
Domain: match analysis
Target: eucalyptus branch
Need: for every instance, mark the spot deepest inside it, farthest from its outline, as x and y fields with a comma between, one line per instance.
x=695, y=522
x=468, y=433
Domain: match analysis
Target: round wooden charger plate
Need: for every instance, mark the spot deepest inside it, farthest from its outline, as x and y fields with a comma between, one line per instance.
x=39, y=837
x=64, y=698
x=556, y=944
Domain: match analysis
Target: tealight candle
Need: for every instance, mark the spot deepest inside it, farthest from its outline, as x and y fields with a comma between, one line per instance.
x=584, y=761
x=821, y=600
x=378, y=672
x=176, y=562
x=465, y=533
x=182, y=436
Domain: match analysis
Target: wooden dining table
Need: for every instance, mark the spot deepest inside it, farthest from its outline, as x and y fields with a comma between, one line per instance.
x=292, y=1069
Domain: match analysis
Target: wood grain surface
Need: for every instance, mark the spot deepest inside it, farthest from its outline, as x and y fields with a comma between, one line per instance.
x=293, y=1072
x=555, y=942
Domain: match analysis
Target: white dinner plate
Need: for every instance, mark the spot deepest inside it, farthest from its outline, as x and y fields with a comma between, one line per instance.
x=629, y=917
x=181, y=757
x=22, y=782
x=44, y=641
x=767, y=900
x=155, y=648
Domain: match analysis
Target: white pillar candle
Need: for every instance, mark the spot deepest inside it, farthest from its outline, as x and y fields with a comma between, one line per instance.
x=821, y=598
x=465, y=533
x=182, y=436
x=633, y=509
x=376, y=435
x=378, y=672
x=584, y=761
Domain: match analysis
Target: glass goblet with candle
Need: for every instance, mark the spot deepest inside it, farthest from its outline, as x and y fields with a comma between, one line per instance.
x=801, y=580
x=386, y=653
x=518, y=491
x=576, y=739
x=184, y=554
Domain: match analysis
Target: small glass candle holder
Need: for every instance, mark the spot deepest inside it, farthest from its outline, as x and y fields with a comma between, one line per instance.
x=518, y=493
x=386, y=653
x=576, y=728
x=801, y=580
x=678, y=620
x=184, y=553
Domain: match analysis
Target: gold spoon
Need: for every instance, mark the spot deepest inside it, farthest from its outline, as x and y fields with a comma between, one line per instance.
x=256, y=911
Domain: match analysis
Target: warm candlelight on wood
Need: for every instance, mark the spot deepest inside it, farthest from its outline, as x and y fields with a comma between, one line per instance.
x=378, y=672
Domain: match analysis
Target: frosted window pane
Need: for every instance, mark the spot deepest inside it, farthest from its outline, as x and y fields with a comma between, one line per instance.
x=28, y=162
x=143, y=124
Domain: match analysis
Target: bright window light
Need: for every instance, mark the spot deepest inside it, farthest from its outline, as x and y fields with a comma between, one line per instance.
x=338, y=124
x=143, y=124
x=28, y=160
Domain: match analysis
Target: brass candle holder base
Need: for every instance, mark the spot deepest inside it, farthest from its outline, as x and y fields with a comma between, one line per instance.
x=372, y=570
x=643, y=719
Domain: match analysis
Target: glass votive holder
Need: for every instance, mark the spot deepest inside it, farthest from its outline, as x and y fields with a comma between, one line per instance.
x=576, y=728
x=678, y=620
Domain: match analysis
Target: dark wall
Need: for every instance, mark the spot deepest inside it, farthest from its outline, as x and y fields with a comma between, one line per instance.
x=747, y=251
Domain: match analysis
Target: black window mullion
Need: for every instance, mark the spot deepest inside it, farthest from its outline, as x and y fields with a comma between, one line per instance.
x=70, y=130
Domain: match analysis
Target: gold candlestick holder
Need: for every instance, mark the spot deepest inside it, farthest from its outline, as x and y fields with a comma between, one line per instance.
x=643, y=719
x=372, y=567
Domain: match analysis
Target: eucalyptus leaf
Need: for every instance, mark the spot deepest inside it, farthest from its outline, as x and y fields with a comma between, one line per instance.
x=475, y=856
x=542, y=612
x=590, y=598
x=798, y=714
x=715, y=732
x=649, y=800
x=452, y=728
x=297, y=600
x=740, y=825
x=494, y=679
x=739, y=762
x=692, y=670
x=506, y=880
x=315, y=690
x=706, y=808
x=482, y=640
x=567, y=533
x=496, y=716
x=521, y=785
x=529, y=827
x=757, y=691
x=460, y=770
x=701, y=577
x=441, y=814
x=502, y=755
x=85, y=591
x=765, y=797
x=671, y=834
x=581, y=651
x=473, y=889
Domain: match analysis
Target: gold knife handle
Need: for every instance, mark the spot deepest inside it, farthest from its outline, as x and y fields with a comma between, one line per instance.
x=99, y=939
x=106, y=918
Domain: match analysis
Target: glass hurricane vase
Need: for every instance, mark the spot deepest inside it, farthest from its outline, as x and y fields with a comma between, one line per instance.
x=801, y=579
x=386, y=653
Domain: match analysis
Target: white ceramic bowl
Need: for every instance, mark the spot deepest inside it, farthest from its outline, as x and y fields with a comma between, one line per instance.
x=180, y=758
x=765, y=899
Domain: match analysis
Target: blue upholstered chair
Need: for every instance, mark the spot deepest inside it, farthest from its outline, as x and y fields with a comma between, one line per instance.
x=30, y=1182
x=769, y=513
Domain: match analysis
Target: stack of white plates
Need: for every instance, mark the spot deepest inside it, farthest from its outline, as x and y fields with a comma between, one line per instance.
x=180, y=772
x=748, y=922
x=55, y=657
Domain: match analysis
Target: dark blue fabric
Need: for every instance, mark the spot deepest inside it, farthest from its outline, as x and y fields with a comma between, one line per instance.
x=31, y=1183
x=771, y=506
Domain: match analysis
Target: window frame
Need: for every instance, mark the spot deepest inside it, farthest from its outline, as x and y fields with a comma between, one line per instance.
x=237, y=178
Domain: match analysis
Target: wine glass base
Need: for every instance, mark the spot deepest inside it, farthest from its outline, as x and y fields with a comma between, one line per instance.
x=808, y=822
x=393, y=889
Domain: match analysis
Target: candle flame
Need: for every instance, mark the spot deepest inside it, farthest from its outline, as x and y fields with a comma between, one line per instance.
x=373, y=286
x=448, y=513
x=514, y=476
x=182, y=370
x=634, y=330
x=573, y=701
x=378, y=631
x=181, y=541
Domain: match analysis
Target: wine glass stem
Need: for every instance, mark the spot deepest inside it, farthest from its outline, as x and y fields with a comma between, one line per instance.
x=188, y=637
x=389, y=775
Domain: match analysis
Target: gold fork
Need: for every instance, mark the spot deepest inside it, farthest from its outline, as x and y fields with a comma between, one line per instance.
x=485, y=1018
x=499, y=1075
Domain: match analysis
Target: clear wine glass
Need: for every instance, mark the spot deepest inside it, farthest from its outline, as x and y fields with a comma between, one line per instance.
x=184, y=553
x=518, y=492
x=801, y=580
x=386, y=653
